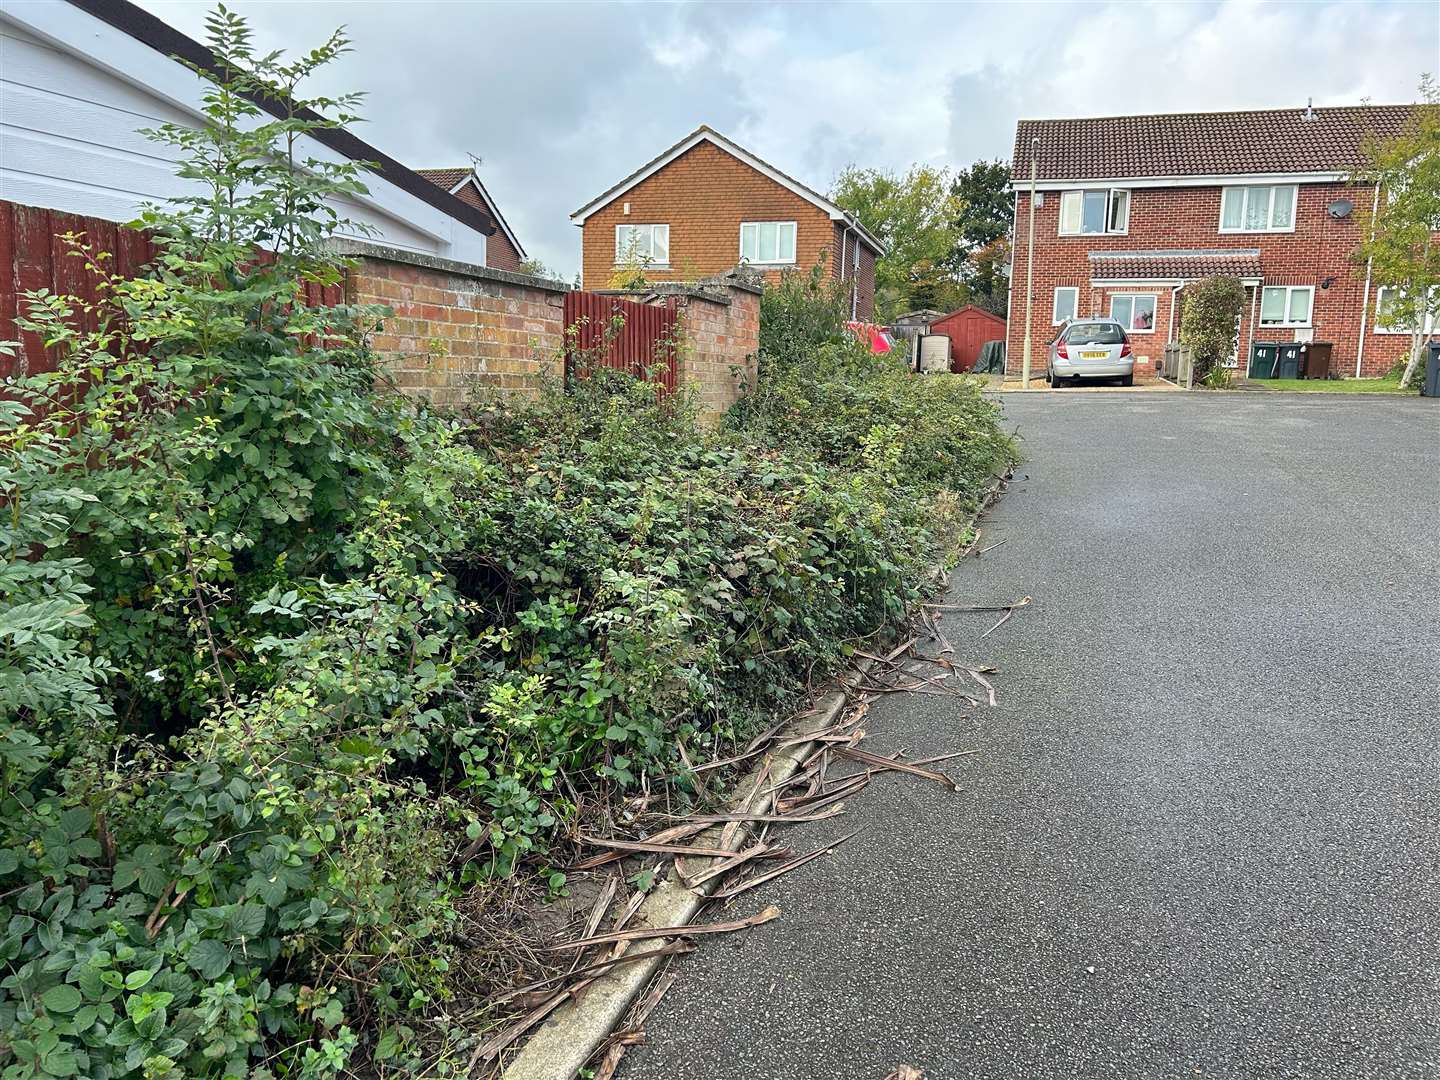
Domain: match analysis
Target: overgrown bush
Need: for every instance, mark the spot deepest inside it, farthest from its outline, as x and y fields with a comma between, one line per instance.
x=1210, y=312
x=288, y=662
x=823, y=391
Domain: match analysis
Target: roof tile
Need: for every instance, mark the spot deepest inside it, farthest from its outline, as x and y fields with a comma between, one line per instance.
x=1205, y=144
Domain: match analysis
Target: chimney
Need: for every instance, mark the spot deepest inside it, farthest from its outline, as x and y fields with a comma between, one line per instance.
x=1309, y=113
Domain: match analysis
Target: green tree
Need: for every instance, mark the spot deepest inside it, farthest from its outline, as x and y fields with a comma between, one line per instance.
x=1400, y=234
x=986, y=209
x=915, y=216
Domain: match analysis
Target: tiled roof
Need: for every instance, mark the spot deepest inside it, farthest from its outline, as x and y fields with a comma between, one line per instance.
x=1186, y=265
x=445, y=178
x=1204, y=144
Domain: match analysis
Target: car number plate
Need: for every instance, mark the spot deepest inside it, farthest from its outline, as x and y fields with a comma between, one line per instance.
x=1094, y=355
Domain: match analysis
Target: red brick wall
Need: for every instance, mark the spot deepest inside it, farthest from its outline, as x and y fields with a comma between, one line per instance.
x=456, y=327
x=1189, y=218
x=720, y=339
x=703, y=196
x=841, y=261
x=500, y=254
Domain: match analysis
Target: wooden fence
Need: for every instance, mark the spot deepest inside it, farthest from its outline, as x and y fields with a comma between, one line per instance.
x=621, y=334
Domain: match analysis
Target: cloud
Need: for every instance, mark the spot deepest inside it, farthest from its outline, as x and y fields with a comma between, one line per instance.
x=562, y=100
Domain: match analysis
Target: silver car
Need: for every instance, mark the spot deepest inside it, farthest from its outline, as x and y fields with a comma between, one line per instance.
x=1090, y=349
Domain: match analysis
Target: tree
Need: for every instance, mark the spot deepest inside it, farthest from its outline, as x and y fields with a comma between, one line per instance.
x=1207, y=324
x=986, y=210
x=915, y=216
x=1400, y=246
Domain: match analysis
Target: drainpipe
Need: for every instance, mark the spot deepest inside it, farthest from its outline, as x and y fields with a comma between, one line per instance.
x=1254, y=303
x=1030, y=266
x=1365, y=296
x=1174, y=293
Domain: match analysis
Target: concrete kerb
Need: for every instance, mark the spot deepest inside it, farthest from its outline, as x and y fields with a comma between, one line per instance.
x=559, y=1049
x=562, y=1046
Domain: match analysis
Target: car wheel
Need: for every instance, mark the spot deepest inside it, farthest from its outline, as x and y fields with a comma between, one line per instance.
x=1128, y=380
x=1050, y=377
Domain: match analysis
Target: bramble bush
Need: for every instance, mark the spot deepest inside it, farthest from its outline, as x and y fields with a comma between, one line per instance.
x=288, y=662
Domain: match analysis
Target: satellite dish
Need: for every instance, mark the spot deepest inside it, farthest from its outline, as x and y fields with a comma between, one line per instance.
x=1340, y=208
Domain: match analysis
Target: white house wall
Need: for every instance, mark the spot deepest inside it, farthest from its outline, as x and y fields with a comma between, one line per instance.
x=69, y=133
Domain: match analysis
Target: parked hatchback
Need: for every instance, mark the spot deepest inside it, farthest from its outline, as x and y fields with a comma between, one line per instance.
x=1090, y=349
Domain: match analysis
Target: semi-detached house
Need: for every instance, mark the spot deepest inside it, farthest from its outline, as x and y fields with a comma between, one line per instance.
x=1130, y=209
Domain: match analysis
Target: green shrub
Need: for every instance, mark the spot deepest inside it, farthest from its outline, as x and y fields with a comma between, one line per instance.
x=1210, y=312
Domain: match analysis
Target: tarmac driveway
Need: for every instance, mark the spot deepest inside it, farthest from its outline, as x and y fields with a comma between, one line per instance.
x=1202, y=837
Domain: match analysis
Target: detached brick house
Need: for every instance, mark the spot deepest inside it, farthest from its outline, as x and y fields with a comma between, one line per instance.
x=503, y=252
x=1130, y=209
x=707, y=205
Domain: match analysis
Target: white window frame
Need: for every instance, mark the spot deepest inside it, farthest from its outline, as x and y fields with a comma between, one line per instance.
x=1154, y=299
x=1432, y=322
x=1110, y=196
x=646, y=260
x=1270, y=227
x=1055, y=319
x=1290, y=290
x=794, y=243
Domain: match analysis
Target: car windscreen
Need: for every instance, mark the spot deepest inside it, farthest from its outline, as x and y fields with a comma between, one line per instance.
x=1095, y=334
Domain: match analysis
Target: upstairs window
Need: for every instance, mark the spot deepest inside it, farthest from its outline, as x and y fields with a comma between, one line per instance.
x=772, y=242
x=648, y=244
x=1258, y=209
x=1087, y=213
x=1286, y=305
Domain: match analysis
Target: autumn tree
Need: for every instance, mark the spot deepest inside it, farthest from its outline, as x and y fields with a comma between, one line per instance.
x=1400, y=234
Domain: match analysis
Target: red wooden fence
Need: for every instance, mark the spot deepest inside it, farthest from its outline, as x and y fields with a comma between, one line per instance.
x=33, y=256
x=621, y=334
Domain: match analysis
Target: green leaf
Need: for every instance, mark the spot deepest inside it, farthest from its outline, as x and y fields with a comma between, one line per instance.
x=137, y=979
x=209, y=958
x=61, y=999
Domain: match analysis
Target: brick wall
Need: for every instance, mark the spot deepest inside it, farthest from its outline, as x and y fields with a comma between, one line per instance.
x=457, y=325
x=1189, y=218
x=861, y=280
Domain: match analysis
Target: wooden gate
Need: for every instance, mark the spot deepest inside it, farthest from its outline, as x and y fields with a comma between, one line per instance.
x=606, y=331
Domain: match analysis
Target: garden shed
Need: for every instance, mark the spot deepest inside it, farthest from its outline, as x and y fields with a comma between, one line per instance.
x=968, y=329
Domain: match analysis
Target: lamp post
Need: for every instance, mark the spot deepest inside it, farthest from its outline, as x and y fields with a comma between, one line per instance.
x=1030, y=266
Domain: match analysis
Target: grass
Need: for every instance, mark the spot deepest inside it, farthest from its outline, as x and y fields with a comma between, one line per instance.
x=1390, y=384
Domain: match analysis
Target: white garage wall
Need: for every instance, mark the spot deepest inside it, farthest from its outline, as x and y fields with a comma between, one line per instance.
x=73, y=93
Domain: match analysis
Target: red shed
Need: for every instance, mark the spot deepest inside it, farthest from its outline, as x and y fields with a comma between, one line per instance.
x=968, y=329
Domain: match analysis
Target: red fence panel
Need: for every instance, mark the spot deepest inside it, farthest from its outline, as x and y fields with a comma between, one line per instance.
x=34, y=255
x=621, y=334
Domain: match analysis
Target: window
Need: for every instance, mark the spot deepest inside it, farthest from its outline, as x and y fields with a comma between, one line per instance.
x=1258, y=209
x=1083, y=213
x=1387, y=300
x=1134, y=311
x=1067, y=299
x=1094, y=334
x=1286, y=305
x=648, y=244
x=768, y=242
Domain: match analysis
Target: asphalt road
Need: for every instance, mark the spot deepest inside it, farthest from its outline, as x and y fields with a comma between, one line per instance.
x=1202, y=837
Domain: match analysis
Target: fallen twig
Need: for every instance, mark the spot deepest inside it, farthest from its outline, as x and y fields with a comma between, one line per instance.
x=783, y=868
x=880, y=762
x=979, y=678
x=650, y=846
x=1004, y=617
x=690, y=930
x=992, y=547
x=675, y=948
x=979, y=607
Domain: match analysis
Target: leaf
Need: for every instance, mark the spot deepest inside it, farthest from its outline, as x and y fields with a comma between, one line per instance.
x=247, y=920
x=61, y=999
x=137, y=979
x=209, y=958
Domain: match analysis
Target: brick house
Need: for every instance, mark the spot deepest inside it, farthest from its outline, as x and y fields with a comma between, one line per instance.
x=503, y=252
x=1130, y=209
x=707, y=205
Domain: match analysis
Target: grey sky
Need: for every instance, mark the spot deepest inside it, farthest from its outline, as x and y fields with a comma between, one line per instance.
x=562, y=100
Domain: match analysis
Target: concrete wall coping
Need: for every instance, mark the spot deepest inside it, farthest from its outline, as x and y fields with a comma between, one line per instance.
x=387, y=253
